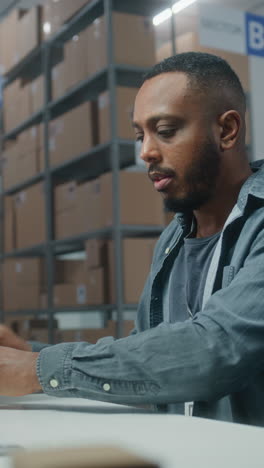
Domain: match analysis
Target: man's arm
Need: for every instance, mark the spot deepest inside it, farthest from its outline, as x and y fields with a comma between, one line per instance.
x=18, y=372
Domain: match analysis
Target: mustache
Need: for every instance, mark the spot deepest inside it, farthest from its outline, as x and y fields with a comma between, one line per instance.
x=155, y=169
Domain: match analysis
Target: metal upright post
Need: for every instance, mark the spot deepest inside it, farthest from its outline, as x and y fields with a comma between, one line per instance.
x=117, y=234
x=48, y=189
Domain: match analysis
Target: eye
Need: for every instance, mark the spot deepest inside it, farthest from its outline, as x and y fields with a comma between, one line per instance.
x=139, y=137
x=166, y=132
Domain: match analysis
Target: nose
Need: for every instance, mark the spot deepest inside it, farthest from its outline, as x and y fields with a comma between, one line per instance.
x=149, y=150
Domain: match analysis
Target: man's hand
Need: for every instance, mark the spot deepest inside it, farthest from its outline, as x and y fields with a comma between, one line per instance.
x=18, y=372
x=10, y=339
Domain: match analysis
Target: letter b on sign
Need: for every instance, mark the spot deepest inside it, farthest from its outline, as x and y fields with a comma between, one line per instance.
x=255, y=34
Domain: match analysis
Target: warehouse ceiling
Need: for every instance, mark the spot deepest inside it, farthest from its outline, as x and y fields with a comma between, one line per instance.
x=254, y=6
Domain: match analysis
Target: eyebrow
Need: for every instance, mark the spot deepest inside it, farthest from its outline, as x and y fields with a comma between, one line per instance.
x=156, y=118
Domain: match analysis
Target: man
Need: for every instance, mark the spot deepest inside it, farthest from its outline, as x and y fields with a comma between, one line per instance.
x=199, y=329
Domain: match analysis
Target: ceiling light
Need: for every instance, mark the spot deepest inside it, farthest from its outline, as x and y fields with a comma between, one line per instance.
x=47, y=27
x=165, y=14
x=176, y=8
x=181, y=4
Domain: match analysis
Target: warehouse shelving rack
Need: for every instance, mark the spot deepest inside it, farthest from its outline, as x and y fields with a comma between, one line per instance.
x=114, y=155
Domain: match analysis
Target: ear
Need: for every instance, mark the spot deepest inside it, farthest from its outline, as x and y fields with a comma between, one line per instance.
x=230, y=124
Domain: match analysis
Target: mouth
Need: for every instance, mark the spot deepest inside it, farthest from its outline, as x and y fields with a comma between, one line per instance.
x=160, y=181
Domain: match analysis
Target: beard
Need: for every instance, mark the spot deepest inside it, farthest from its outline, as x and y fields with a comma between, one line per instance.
x=200, y=180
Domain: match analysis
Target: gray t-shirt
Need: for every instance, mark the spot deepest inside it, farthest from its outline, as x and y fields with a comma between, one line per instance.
x=183, y=292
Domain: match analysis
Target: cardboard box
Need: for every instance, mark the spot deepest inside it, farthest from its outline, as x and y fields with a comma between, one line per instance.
x=9, y=160
x=23, y=281
x=190, y=42
x=25, y=271
x=134, y=42
x=74, y=56
x=59, y=80
x=11, y=110
x=28, y=31
x=50, y=20
x=125, y=98
x=137, y=259
x=71, y=134
x=140, y=203
x=40, y=148
x=9, y=224
x=30, y=216
x=21, y=159
x=96, y=253
x=37, y=94
x=65, y=196
x=90, y=206
x=67, y=8
x=71, y=271
x=54, y=14
x=89, y=293
x=78, y=208
x=21, y=298
x=9, y=42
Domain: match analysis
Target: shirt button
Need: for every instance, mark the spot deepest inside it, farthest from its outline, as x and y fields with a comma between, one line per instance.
x=106, y=387
x=54, y=383
x=167, y=250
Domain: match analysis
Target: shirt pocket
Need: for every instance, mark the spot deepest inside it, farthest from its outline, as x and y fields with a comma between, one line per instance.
x=228, y=275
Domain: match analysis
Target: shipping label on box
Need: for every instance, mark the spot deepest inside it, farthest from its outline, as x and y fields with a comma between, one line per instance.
x=81, y=294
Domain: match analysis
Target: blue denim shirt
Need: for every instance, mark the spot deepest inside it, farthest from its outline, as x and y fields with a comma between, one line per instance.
x=215, y=359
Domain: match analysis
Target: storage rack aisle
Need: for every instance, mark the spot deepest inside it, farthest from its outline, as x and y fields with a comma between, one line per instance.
x=53, y=107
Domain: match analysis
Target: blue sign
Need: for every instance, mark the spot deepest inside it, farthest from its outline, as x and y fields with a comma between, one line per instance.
x=255, y=34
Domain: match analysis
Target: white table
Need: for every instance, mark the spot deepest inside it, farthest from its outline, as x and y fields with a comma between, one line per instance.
x=173, y=441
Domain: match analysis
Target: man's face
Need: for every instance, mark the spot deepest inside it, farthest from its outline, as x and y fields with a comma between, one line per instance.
x=178, y=141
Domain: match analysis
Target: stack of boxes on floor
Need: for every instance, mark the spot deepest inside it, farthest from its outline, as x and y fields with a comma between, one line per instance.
x=78, y=207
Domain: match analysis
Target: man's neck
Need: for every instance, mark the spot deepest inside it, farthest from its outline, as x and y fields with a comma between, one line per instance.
x=211, y=218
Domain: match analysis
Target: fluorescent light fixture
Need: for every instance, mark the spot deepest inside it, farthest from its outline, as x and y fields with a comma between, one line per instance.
x=176, y=8
x=165, y=14
x=181, y=4
x=47, y=27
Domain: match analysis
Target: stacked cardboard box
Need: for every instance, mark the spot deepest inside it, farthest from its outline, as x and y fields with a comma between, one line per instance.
x=28, y=31
x=77, y=285
x=16, y=104
x=19, y=35
x=133, y=45
x=134, y=41
x=8, y=42
x=30, y=222
x=56, y=13
x=125, y=98
x=137, y=258
x=9, y=224
x=23, y=281
x=21, y=100
x=24, y=157
x=72, y=133
x=140, y=204
x=37, y=94
x=77, y=209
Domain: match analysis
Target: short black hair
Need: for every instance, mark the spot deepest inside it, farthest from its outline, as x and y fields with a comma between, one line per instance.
x=208, y=73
